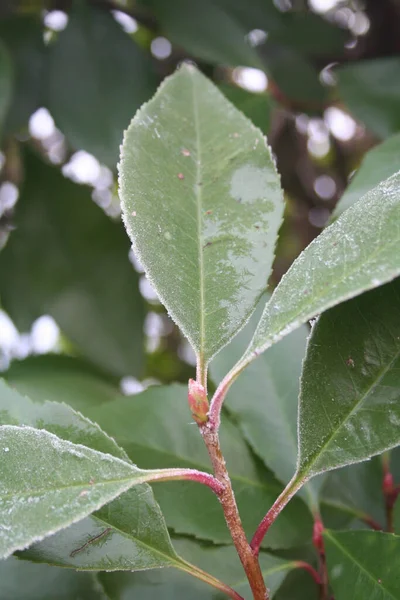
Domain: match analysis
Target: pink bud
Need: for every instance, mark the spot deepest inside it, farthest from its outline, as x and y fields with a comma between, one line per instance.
x=198, y=402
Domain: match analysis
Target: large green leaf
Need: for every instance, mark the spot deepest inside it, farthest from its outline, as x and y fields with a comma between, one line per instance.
x=48, y=483
x=56, y=418
x=61, y=378
x=20, y=580
x=363, y=564
x=98, y=77
x=23, y=37
x=203, y=211
x=6, y=83
x=359, y=251
x=154, y=428
x=378, y=164
x=371, y=90
x=128, y=533
x=206, y=31
x=66, y=258
x=350, y=390
x=221, y=561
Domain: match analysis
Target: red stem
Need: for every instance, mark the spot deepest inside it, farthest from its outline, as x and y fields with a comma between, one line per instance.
x=300, y=564
x=292, y=487
x=319, y=545
x=248, y=559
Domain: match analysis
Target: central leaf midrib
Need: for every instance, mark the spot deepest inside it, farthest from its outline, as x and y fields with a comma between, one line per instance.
x=199, y=215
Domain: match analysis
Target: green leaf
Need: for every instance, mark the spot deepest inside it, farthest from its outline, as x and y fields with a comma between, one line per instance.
x=56, y=418
x=62, y=378
x=6, y=83
x=206, y=31
x=67, y=259
x=23, y=37
x=20, y=580
x=132, y=522
x=309, y=34
x=298, y=585
x=357, y=491
x=154, y=428
x=371, y=90
x=363, y=564
x=221, y=561
x=350, y=390
x=357, y=252
x=48, y=483
x=256, y=106
x=263, y=400
x=98, y=77
x=127, y=534
x=203, y=214
x=378, y=164
x=295, y=77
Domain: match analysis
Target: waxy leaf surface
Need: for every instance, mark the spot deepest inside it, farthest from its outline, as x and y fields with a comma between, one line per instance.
x=130, y=533
x=359, y=251
x=202, y=204
x=350, y=390
x=48, y=483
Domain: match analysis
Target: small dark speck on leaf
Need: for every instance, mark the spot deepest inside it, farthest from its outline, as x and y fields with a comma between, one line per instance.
x=207, y=245
x=257, y=226
x=185, y=152
x=208, y=212
x=92, y=481
x=350, y=362
x=181, y=176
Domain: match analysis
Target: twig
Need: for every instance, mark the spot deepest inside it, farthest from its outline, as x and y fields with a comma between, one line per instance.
x=248, y=559
x=292, y=487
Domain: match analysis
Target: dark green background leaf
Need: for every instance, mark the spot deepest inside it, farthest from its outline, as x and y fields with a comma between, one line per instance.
x=371, y=90
x=98, y=78
x=20, y=580
x=63, y=379
x=23, y=37
x=69, y=260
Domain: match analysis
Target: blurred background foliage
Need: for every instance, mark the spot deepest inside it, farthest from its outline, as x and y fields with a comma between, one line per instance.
x=321, y=78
